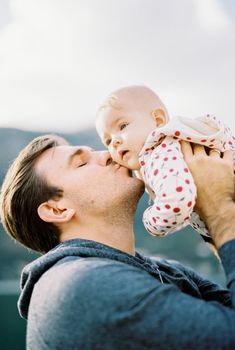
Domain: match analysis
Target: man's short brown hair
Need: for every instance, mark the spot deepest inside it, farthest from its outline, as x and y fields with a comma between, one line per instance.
x=21, y=194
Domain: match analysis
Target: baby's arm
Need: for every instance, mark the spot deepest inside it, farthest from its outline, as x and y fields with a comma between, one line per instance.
x=147, y=188
x=167, y=174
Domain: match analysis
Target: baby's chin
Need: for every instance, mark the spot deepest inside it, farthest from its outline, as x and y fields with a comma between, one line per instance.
x=132, y=164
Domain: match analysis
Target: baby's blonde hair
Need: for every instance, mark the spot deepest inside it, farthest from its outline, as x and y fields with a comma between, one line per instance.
x=134, y=92
x=109, y=102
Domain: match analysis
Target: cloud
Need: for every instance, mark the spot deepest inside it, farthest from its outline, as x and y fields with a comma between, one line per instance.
x=212, y=15
x=60, y=58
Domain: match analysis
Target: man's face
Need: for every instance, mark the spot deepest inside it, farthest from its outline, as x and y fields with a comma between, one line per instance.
x=123, y=131
x=91, y=181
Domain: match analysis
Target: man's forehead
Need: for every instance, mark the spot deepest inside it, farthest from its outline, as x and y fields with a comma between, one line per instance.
x=57, y=157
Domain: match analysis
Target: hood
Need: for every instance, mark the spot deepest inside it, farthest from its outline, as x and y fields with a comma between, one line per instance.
x=76, y=247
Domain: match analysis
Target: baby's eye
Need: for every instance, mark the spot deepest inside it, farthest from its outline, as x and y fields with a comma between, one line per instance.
x=123, y=125
x=107, y=142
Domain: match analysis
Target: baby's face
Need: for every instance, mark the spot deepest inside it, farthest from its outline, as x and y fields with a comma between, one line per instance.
x=123, y=131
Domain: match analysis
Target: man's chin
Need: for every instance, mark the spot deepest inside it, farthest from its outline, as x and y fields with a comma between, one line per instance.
x=142, y=187
x=130, y=172
x=139, y=187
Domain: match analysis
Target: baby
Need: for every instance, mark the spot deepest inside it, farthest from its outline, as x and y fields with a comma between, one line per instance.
x=134, y=125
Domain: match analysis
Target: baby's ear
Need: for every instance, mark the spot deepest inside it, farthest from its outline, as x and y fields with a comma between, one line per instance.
x=159, y=117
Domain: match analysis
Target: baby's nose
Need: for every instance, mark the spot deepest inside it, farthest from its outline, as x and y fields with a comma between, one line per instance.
x=117, y=141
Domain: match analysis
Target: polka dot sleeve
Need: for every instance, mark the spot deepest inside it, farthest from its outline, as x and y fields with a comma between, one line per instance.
x=168, y=177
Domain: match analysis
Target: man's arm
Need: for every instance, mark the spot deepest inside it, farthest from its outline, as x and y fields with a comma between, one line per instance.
x=210, y=291
x=214, y=178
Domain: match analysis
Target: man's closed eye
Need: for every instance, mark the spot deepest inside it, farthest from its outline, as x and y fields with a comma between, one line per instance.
x=81, y=164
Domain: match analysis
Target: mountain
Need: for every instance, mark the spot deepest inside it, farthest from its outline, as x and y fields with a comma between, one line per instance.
x=186, y=245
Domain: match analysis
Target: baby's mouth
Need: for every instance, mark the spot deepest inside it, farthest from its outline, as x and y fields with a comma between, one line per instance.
x=123, y=154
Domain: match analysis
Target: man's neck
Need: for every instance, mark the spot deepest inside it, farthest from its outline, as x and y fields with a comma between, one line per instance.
x=115, y=233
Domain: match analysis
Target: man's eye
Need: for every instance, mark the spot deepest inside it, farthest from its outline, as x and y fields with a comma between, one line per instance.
x=80, y=165
x=123, y=125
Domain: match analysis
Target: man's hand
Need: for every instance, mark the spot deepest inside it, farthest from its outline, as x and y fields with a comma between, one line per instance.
x=214, y=177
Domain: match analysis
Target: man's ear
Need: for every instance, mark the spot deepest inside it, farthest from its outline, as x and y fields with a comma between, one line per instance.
x=52, y=211
x=159, y=117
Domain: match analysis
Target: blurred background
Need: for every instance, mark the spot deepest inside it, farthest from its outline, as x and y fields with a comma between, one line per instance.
x=60, y=58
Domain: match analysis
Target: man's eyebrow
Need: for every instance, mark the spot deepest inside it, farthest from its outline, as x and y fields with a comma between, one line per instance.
x=77, y=152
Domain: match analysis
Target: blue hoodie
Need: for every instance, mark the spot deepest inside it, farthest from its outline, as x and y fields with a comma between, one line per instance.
x=86, y=295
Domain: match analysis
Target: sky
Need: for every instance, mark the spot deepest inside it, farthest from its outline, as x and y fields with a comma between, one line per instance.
x=59, y=59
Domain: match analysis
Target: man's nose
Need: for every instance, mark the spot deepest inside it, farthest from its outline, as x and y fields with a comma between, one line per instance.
x=104, y=158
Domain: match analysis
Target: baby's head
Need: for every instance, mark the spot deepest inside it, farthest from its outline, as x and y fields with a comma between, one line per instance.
x=125, y=120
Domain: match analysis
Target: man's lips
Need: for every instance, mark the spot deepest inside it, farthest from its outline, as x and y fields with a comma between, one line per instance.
x=123, y=168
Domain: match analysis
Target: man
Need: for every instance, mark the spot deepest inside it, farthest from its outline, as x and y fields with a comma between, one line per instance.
x=93, y=291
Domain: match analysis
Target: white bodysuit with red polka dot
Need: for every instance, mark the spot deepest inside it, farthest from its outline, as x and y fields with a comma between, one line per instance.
x=167, y=177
